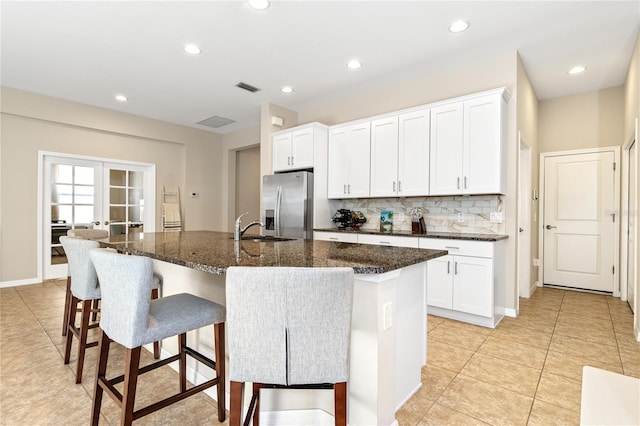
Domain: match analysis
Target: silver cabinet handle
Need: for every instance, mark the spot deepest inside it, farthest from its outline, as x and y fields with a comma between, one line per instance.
x=344, y=189
x=448, y=267
x=520, y=230
x=394, y=186
x=349, y=188
x=465, y=182
x=288, y=161
x=399, y=186
x=550, y=227
x=333, y=238
x=452, y=247
x=97, y=222
x=455, y=268
x=458, y=183
x=292, y=162
x=106, y=222
x=385, y=242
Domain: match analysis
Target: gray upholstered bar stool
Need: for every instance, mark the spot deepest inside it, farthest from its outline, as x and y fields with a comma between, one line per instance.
x=87, y=234
x=84, y=289
x=131, y=319
x=288, y=328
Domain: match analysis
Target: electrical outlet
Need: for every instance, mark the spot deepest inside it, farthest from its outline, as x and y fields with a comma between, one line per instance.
x=400, y=217
x=460, y=217
x=387, y=316
x=495, y=217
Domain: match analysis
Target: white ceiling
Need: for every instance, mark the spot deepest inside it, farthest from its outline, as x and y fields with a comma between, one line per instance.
x=89, y=51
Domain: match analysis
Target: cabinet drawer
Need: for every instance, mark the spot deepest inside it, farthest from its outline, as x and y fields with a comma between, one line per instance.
x=343, y=237
x=459, y=247
x=388, y=240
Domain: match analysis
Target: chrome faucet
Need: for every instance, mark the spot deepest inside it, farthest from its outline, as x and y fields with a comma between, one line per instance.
x=238, y=231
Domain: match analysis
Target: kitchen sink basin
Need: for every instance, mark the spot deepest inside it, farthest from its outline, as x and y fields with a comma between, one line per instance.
x=264, y=238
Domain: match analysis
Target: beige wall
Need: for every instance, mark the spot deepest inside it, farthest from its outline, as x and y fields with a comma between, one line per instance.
x=528, y=128
x=248, y=185
x=232, y=144
x=586, y=120
x=32, y=123
x=489, y=73
x=631, y=117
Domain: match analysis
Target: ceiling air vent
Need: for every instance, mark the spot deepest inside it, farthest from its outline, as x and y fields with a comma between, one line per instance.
x=247, y=87
x=216, y=121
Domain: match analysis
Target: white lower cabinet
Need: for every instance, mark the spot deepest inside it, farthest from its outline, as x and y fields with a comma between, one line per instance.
x=342, y=237
x=463, y=285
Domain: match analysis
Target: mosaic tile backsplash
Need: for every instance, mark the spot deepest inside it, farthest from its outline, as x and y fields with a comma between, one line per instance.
x=440, y=213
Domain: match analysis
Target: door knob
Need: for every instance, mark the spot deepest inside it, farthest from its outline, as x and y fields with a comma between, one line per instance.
x=97, y=222
x=550, y=227
x=520, y=230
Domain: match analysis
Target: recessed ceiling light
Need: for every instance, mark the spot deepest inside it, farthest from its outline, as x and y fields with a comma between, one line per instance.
x=192, y=49
x=458, y=26
x=354, y=64
x=287, y=89
x=259, y=4
x=577, y=70
x=121, y=98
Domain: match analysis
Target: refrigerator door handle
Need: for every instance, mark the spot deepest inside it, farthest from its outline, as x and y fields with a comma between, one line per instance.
x=277, y=212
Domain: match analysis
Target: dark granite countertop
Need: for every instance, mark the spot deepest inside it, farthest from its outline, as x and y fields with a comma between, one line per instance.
x=441, y=235
x=214, y=252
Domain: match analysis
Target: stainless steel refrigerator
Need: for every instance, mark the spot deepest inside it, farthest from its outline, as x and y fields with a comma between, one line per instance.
x=287, y=202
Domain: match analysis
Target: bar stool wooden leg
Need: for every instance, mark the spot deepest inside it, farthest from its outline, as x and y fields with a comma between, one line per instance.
x=101, y=370
x=67, y=307
x=340, y=403
x=82, y=338
x=129, y=385
x=73, y=310
x=219, y=333
x=235, y=404
x=182, y=362
x=156, y=345
x=96, y=309
x=256, y=410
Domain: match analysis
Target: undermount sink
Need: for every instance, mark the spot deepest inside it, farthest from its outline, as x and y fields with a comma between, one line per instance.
x=264, y=238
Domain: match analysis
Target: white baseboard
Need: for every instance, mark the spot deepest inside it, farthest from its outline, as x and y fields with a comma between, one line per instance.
x=510, y=312
x=16, y=283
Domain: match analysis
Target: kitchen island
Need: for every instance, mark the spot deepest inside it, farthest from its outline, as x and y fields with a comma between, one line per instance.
x=388, y=340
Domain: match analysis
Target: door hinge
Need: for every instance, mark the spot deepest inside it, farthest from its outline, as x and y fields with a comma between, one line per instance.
x=614, y=166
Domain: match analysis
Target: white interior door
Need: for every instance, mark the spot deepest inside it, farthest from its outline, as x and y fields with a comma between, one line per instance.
x=632, y=226
x=579, y=215
x=72, y=200
x=524, y=221
x=89, y=193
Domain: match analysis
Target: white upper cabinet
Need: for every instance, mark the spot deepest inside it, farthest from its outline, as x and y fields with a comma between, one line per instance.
x=400, y=155
x=466, y=146
x=384, y=157
x=413, y=154
x=293, y=148
x=349, y=160
x=445, y=170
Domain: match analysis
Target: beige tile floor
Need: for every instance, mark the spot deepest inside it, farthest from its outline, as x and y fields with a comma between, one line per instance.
x=526, y=371
x=529, y=369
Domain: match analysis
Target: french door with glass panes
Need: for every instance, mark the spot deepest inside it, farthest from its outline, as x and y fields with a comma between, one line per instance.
x=84, y=193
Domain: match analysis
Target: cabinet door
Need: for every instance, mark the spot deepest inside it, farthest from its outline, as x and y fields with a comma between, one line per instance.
x=302, y=148
x=445, y=171
x=282, y=152
x=440, y=282
x=384, y=157
x=358, y=160
x=336, y=169
x=413, y=154
x=473, y=285
x=482, y=160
